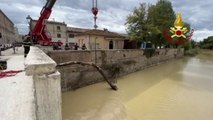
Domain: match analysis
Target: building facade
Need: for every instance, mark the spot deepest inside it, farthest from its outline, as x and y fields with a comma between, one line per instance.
x=72, y=32
x=56, y=30
x=100, y=39
x=93, y=39
x=7, y=31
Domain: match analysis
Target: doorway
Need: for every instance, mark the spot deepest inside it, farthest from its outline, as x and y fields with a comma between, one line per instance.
x=110, y=44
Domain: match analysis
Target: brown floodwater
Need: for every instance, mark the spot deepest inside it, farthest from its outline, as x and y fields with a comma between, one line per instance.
x=177, y=90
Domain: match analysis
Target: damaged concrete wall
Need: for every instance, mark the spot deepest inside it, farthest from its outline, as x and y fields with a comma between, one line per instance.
x=47, y=84
x=114, y=62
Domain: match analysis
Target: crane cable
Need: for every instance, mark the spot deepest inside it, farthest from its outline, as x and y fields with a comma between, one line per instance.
x=95, y=11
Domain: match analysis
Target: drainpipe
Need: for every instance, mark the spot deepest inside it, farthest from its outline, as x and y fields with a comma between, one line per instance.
x=89, y=43
x=95, y=52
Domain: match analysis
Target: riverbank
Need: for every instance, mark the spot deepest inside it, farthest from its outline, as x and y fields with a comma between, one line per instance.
x=192, y=52
x=116, y=63
x=206, y=51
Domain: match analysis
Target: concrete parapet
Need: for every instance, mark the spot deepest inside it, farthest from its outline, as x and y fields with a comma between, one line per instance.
x=47, y=85
x=38, y=63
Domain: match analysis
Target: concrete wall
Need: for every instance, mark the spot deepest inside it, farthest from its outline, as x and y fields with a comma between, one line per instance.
x=46, y=82
x=115, y=63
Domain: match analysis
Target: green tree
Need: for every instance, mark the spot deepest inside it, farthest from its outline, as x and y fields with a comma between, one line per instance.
x=161, y=16
x=187, y=46
x=207, y=43
x=193, y=43
x=147, y=23
x=137, y=24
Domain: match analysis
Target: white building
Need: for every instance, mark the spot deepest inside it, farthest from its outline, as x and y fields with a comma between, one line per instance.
x=7, y=31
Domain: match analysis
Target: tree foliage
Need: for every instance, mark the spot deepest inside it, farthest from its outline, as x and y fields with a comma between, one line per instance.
x=207, y=43
x=136, y=23
x=161, y=15
x=148, y=22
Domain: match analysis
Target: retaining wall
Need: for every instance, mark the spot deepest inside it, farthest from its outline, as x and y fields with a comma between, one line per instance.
x=114, y=62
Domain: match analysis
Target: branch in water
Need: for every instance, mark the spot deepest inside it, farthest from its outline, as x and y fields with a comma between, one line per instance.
x=100, y=70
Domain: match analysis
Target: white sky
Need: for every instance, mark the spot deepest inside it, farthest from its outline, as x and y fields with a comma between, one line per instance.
x=112, y=13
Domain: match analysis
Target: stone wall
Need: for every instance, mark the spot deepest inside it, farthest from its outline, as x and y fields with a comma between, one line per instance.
x=114, y=62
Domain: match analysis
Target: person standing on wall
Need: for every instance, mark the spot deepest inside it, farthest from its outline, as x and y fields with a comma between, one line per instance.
x=76, y=46
x=27, y=43
x=14, y=47
x=84, y=47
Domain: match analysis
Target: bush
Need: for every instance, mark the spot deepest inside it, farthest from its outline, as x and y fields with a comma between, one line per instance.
x=129, y=62
x=187, y=46
x=191, y=52
x=149, y=52
x=114, y=69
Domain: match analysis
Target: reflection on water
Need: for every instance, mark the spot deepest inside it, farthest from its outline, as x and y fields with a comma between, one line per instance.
x=177, y=90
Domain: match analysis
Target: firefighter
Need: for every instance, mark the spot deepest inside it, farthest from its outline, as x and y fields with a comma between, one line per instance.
x=83, y=47
x=76, y=46
x=27, y=43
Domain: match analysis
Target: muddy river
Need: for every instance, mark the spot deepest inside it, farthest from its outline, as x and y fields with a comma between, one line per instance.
x=177, y=90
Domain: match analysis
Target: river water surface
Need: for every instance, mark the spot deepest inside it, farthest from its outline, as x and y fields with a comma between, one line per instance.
x=177, y=90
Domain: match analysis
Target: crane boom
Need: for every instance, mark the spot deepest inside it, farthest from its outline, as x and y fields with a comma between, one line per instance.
x=38, y=33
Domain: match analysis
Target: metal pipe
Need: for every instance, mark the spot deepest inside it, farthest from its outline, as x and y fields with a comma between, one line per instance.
x=93, y=3
x=95, y=52
x=96, y=3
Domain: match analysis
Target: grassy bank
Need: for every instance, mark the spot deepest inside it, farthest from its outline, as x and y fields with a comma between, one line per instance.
x=191, y=52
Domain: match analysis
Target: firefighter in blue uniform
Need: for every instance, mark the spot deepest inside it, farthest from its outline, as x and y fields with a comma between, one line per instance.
x=27, y=43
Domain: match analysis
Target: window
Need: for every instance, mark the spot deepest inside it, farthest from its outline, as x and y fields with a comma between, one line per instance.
x=58, y=28
x=58, y=35
x=0, y=35
x=71, y=35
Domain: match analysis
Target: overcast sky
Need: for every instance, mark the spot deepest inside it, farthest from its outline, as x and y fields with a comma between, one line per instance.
x=112, y=13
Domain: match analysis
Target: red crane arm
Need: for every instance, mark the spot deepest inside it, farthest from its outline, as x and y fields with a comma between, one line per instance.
x=38, y=33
